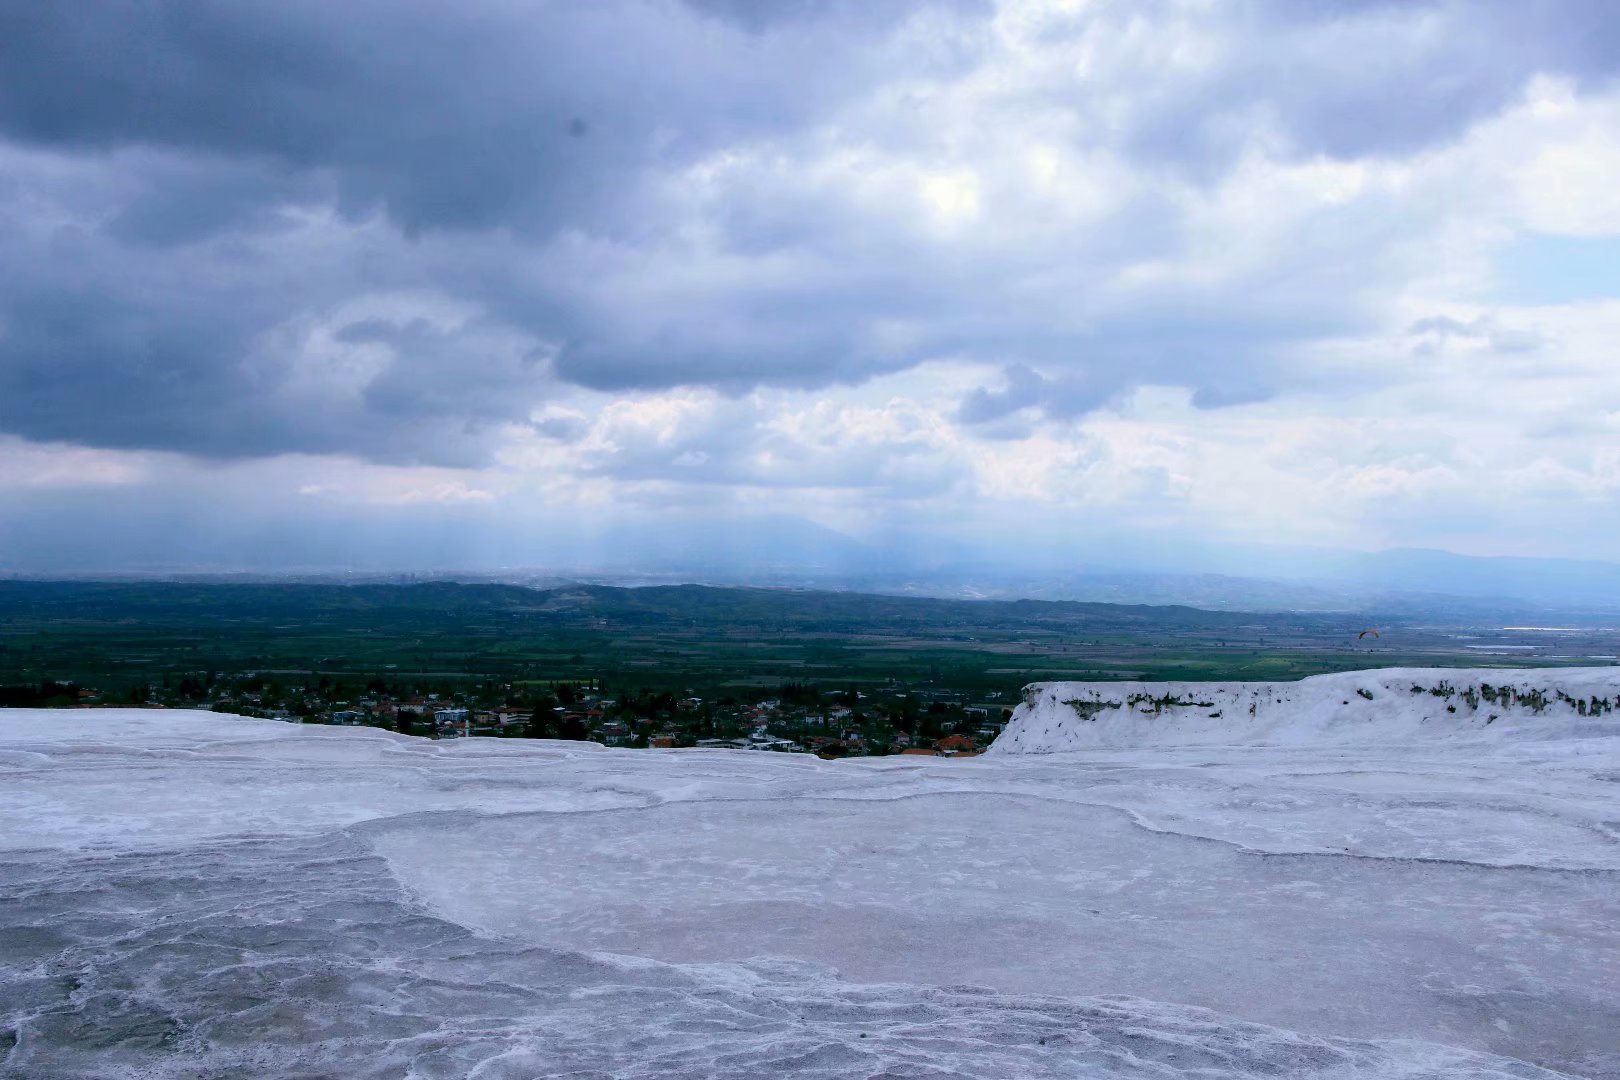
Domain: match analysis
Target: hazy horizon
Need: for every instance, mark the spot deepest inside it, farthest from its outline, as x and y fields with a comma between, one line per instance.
x=781, y=552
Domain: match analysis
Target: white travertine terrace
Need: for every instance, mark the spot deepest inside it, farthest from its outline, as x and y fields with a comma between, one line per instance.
x=1333, y=887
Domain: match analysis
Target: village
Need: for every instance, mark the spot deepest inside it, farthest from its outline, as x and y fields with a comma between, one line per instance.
x=797, y=718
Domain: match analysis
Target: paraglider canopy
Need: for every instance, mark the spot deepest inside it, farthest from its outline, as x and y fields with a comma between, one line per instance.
x=1364, y=633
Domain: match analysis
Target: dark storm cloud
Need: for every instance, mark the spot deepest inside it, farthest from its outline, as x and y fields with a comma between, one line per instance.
x=243, y=347
x=1373, y=77
x=97, y=370
x=477, y=115
x=523, y=115
x=1580, y=38
x=437, y=372
x=88, y=365
x=1025, y=387
x=185, y=200
x=202, y=132
x=223, y=120
x=764, y=15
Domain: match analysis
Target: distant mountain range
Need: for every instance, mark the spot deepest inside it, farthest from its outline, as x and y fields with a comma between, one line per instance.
x=790, y=552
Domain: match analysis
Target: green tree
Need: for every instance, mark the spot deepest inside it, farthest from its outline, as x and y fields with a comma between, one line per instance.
x=543, y=720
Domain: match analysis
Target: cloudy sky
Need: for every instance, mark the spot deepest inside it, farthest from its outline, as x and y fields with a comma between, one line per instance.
x=298, y=282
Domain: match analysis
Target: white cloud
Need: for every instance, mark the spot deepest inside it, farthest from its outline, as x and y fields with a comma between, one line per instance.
x=1567, y=179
